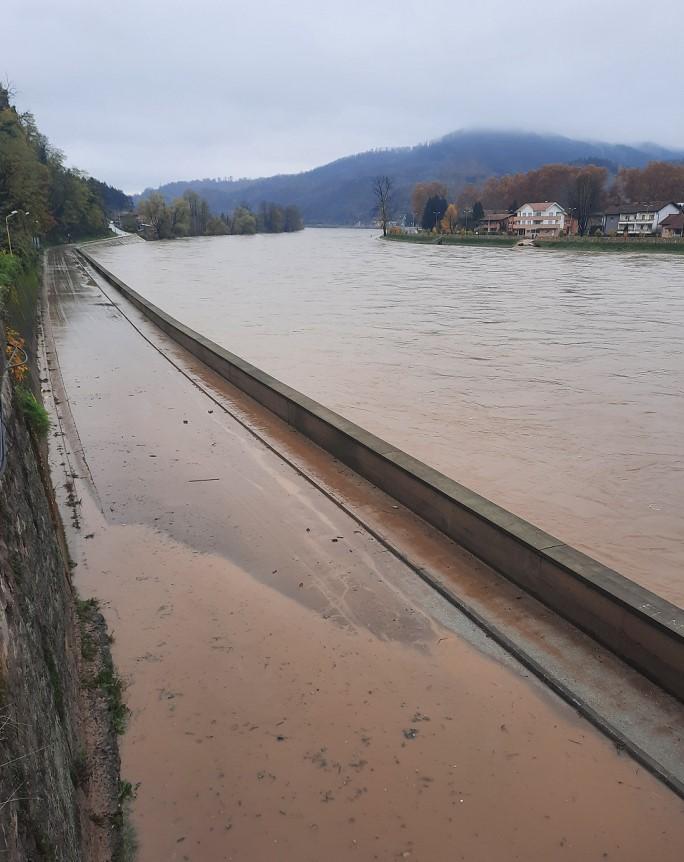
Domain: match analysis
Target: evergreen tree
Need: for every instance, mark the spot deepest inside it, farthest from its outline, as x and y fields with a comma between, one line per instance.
x=435, y=207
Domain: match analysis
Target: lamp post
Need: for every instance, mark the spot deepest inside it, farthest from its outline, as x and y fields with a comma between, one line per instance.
x=7, y=218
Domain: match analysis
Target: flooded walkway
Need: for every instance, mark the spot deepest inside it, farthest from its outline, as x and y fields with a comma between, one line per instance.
x=296, y=692
x=550, y=382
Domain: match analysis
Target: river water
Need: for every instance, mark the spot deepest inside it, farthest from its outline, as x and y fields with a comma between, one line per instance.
x=550, y=382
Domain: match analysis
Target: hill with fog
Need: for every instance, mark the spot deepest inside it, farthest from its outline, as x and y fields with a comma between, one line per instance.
x=339, y=193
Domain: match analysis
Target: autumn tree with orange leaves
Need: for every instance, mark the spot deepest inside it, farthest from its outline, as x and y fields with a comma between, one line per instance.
x=658, y=181
x=449, y=223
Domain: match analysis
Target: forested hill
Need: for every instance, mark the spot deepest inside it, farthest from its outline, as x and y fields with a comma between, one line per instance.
x=340, y=192
x=39, y=194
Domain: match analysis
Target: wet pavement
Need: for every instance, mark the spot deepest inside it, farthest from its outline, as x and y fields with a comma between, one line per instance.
x=296, y=694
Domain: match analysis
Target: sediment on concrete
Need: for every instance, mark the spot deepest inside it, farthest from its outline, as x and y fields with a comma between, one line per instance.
x=640, y=627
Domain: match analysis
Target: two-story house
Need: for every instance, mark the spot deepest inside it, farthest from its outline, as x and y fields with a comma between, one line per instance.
x=638, y=219
x=494, y=222
x=547, y=218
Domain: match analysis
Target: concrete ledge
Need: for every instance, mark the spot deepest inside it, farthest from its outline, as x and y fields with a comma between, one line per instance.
x=640, y=627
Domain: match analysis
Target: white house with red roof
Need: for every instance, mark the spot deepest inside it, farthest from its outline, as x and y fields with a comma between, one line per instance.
x=547, y=218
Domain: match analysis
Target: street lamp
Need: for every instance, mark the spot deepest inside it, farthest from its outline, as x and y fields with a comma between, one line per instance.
x=7, y=218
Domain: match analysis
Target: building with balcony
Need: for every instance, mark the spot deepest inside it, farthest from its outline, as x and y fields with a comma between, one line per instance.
x=547, y=218
x=642, y=219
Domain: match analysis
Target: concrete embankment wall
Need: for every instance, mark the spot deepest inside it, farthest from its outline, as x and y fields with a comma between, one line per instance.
x=637, y=625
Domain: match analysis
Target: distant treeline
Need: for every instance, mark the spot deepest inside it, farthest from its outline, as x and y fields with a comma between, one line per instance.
x=582, y=189
x=658, y=181
x=189, y=215
x=50, y=200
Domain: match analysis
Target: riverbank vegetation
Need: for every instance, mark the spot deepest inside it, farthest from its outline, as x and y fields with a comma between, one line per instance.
x=579, y=186
x=492, y=241
x=41, y=198
x=189, y=215
x=569, y=243
x=581, y=189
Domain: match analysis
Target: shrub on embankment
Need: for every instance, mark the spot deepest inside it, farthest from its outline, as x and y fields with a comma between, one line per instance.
x=19, y=290
x=34, y=413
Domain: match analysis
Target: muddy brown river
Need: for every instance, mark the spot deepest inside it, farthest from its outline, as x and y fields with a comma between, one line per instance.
x=296, y=692
x=550, y=382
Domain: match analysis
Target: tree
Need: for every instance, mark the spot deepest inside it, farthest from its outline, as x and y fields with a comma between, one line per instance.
x=113, y=200
x=478, y=212
x=179, y=217
x=382, y=191
x=420, y=194
x=467, y=198
x=244, y=221
x=586, y=195
x=199, y=213
x=450, y=221
x=155, y=213
x=216, y=226
x=658, y=181
x=293, y=220
x=435, y=207
x=62, y=203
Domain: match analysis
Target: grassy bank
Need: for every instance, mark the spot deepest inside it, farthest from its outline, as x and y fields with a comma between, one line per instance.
x=609, y=243
x=454, y=239
x=571, y=243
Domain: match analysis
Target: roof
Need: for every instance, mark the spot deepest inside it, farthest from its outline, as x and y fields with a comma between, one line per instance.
x=542, y=205
x=674, y=220
x=638, y=208
x=496, y=216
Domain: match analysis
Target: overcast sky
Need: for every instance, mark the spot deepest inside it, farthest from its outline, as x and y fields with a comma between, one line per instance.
x=140, y=93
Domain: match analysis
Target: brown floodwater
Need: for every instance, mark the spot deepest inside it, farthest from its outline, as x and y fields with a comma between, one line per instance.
x=550, y=382
x=296, y=692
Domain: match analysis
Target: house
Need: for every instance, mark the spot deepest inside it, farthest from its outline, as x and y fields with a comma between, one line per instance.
x=672, y=225
x=642, y=219
x=495, y=222
x=547, y=218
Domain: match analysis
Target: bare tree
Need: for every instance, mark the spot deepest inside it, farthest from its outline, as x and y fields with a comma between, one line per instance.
x=586, y=194
x=382, y=190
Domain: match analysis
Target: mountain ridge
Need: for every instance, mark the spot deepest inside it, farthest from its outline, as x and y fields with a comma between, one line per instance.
x=339, y=192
